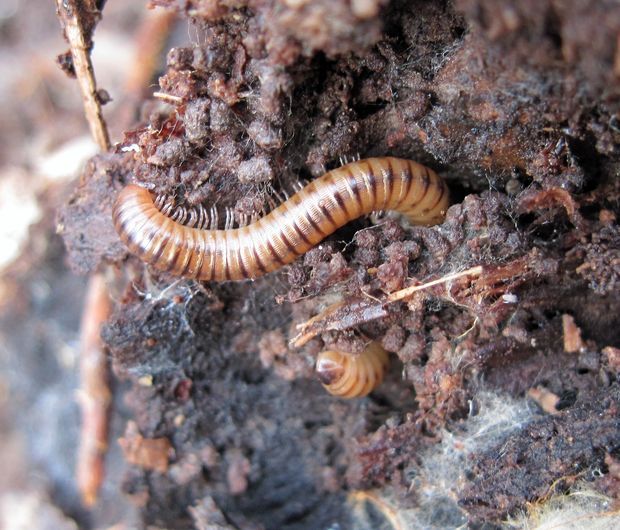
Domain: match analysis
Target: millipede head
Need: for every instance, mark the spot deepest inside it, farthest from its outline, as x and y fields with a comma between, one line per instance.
x=349, y=375
x=330, y=367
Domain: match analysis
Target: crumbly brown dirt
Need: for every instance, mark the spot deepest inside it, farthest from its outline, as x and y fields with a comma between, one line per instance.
x=516, y=105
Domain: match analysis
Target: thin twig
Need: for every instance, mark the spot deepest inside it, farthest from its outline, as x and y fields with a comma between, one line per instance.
x=94, y=394
x=170, y=98
x=78, y=33
x=343, y=315
x=78, y=19
x=408, y=291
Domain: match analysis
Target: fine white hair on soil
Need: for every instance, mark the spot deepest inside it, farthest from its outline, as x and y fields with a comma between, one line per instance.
x=579, y=509
x=440, y=478
x=442, y=474
x=445, y=466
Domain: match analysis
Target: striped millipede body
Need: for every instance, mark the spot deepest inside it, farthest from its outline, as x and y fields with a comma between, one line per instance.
x=349, y=375
x=197, y=216
x=293, y=228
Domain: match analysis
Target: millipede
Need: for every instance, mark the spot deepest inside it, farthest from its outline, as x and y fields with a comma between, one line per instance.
x=288, y=231
x=349, y=375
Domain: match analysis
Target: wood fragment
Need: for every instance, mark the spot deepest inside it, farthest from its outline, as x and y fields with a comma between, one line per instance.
x=547, y=400
x=346, y=316
x=572, y=335
x=78, y=19
x=94, y=394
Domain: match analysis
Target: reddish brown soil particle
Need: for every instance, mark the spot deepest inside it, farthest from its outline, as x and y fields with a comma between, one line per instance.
x=147, y=453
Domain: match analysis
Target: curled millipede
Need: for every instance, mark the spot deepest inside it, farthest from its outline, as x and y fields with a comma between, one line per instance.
x=348, y=375
x=293, y=228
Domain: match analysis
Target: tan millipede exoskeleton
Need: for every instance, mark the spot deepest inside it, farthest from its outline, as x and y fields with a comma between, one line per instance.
x=350, y=375
x=293, y=228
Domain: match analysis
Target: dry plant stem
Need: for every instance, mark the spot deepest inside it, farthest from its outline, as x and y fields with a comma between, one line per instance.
x=150, y=40
x=341, y=316
x=409, y=291
x=94, y=394
x=168, y=98
x=80, y=42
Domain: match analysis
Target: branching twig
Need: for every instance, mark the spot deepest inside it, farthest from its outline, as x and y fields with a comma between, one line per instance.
x=341, y=316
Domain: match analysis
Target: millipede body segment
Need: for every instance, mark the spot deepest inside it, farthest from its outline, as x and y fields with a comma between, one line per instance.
x=348, y=375
x=293, y=228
